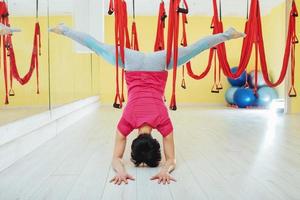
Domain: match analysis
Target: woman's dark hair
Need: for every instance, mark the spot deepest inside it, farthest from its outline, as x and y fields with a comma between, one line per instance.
x=145, y=149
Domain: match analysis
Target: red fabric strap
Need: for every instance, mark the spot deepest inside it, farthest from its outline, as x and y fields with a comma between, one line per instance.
x=4, y=20
x=111, y=7
x=160, y=41
x=184, y=44
x=214, y=88
x=122, y=40
x=134, y=38
x=172, y=43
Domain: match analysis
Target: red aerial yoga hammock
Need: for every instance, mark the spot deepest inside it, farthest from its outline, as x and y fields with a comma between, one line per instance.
x=217, y=27
x=217, y=85
x=8, y=50
x=121, y=34
x=184, y=44
x=172, y=43
x=212, y=53
x=121, y=39
x=127, y=45
x=159, y=43
x=172, y=47
x=4, y=20
x=253, y=29
x=291, y=42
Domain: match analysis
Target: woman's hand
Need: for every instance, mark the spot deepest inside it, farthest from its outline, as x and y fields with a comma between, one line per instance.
x=163, y=177
x=121, y=177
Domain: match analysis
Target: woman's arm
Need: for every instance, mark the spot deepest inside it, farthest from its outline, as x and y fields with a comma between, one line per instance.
x=164, y=175
x=185, y=54
x=117, y=163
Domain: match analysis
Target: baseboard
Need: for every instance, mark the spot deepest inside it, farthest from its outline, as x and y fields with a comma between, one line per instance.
x=21, y=137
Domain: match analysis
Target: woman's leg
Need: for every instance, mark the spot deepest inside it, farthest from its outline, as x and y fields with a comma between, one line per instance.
x=185, y=54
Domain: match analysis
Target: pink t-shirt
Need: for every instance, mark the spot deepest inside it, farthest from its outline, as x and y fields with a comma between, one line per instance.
x=145, y=103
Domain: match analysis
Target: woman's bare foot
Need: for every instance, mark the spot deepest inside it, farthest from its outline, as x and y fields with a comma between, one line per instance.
x=5, y=30
x=233, y=34
x=59, y=29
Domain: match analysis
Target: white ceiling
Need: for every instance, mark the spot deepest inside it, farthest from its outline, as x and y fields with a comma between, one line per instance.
x=143, y=7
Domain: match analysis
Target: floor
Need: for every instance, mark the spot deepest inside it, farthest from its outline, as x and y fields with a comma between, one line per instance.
x=11, y=114
x=221, y=154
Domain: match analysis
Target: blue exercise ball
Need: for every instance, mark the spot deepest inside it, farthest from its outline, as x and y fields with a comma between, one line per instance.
x=241, y=81
x=229, y=95
x=265, y=96
x=260, y=79
x=244, y=97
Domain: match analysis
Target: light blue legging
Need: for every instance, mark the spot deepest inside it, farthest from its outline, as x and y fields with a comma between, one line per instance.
x=153, y=61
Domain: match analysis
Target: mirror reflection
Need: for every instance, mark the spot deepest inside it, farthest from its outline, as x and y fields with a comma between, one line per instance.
x=24, y=85
x=73, y=68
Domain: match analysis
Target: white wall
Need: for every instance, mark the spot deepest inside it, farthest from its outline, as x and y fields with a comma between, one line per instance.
x=89, y=18
x=143, y=7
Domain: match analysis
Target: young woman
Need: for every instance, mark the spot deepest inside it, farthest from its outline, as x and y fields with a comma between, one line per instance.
x=146, y=76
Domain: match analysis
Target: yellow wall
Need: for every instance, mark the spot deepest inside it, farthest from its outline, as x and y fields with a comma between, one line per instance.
x=274, y=32
x=71, y=73
x=275, y=40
